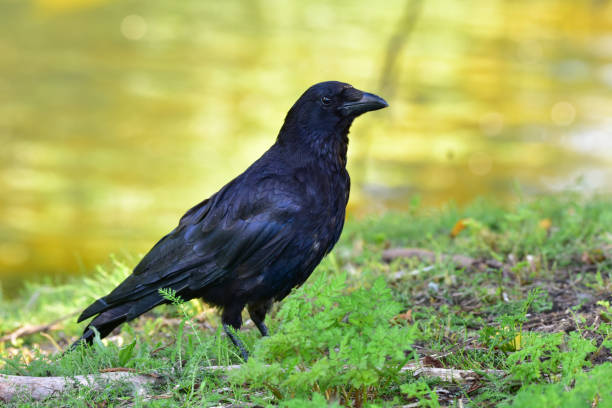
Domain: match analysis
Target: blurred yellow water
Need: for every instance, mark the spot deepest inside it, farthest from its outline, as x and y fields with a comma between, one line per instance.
x=117, y=116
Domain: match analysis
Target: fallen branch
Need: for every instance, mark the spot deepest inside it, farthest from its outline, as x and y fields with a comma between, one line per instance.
x=38, y=388
x=223, y=368
x=461, y=261
x=449, y=374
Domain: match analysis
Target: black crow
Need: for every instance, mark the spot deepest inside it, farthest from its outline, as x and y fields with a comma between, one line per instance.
x=263, y=233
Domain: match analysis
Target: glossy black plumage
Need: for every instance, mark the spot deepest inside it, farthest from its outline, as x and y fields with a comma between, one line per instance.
x=264, y=232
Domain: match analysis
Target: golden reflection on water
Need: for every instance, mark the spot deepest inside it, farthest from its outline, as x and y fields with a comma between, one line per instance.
x=115, y=117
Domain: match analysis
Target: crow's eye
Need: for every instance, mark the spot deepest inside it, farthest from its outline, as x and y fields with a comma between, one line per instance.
x=325, y=100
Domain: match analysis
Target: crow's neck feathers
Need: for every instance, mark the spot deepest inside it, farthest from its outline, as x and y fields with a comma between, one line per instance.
x=326, y=144
x=331, y=147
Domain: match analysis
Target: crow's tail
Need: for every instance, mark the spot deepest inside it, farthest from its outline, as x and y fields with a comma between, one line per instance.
x=106, y=321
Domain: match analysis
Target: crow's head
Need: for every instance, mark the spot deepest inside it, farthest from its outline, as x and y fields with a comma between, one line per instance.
x=329, y=108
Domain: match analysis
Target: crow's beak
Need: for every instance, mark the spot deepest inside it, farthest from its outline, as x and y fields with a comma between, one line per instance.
x=368, y=102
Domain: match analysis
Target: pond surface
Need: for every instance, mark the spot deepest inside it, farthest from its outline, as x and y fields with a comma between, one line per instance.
x=117, y=116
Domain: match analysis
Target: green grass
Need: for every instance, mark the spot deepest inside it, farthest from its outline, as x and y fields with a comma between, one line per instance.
x=343, y=338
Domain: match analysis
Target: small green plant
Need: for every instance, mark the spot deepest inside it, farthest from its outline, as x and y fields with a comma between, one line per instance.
x=606, y=313
x=586, y=389
x=551, y=355
x=343, y=345
x=508, y=335
x=171, y=296
x=420, y=390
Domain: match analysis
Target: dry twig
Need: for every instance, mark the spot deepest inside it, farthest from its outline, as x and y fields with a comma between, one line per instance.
x=28, y=329
x=449, y=374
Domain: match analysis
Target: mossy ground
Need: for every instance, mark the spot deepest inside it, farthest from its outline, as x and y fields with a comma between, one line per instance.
x=536, y=304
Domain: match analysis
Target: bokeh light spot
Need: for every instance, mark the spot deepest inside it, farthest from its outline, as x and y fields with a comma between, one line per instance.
x=480, y=163
x=563, y=113
x=133, y=27
x=492, y=123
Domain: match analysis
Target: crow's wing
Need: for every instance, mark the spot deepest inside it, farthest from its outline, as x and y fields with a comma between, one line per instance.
x=222, y=237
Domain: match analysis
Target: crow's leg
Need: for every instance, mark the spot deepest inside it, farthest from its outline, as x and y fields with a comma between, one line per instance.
x=236, y=341
x=258, y=311
x=232, y=316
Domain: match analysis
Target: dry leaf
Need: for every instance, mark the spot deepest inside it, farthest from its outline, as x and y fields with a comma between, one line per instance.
x=593, y=257
x=513, y=345
x=459, y=226
x=407, y=316
x=545, y=224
